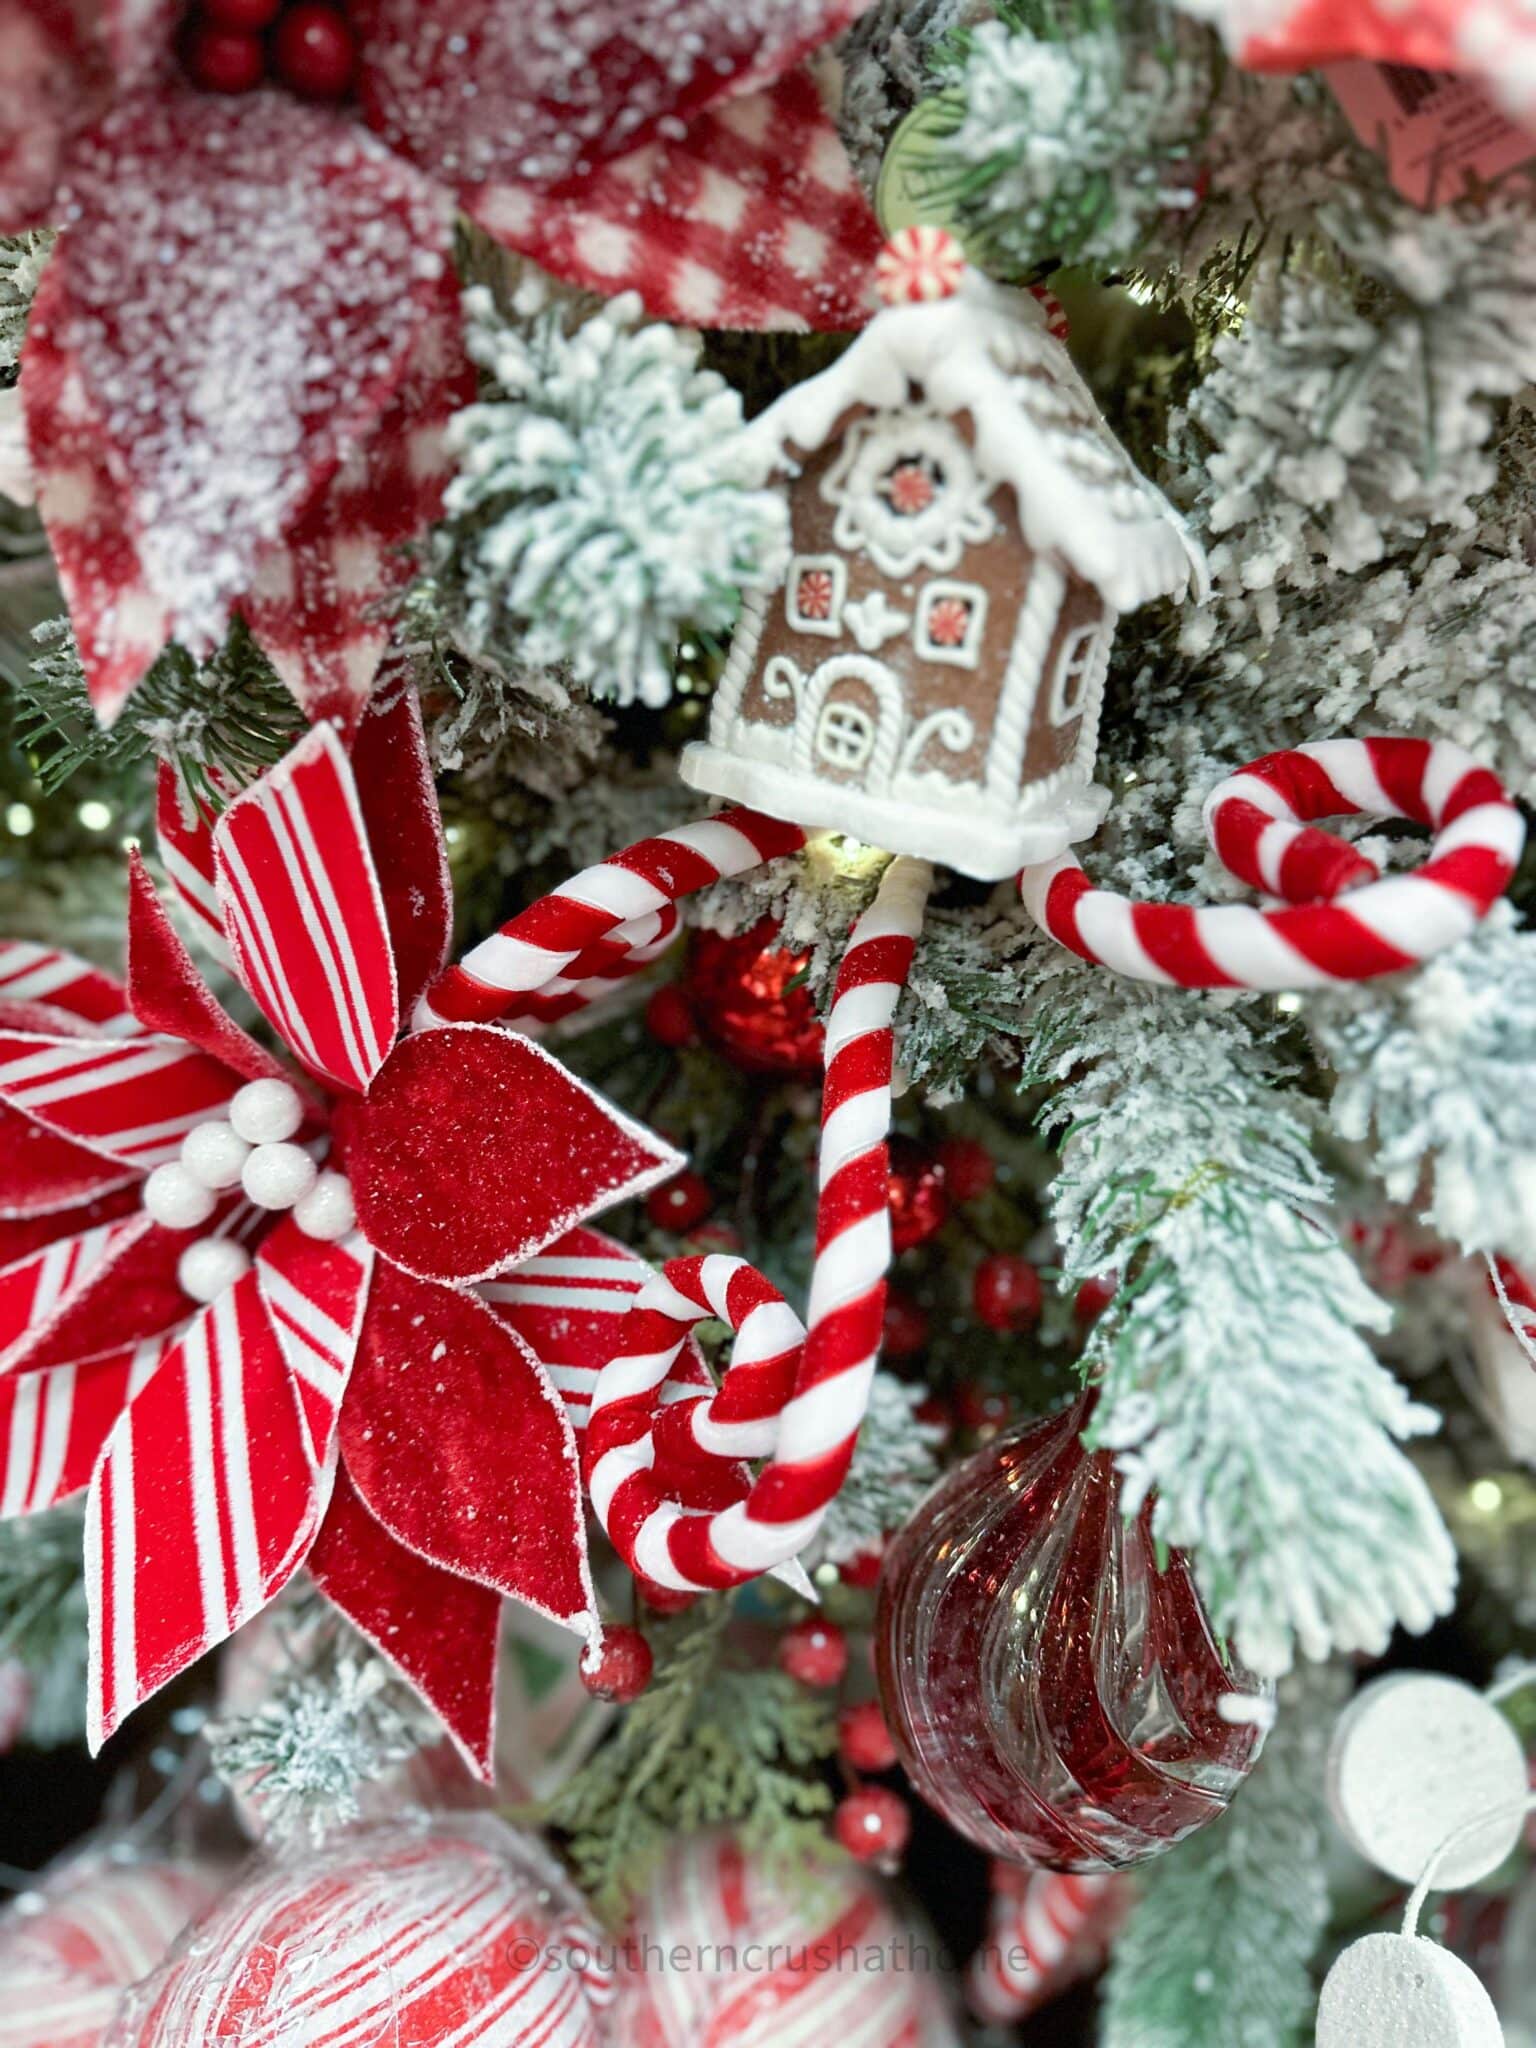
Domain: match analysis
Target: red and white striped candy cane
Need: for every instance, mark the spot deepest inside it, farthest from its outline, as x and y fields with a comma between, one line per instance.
x=1045, y=1929
x=794, y=1398
x=1341, y=921
x=574, y=944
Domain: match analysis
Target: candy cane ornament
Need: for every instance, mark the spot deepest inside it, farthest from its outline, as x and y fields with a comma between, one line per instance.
x=1339, y=920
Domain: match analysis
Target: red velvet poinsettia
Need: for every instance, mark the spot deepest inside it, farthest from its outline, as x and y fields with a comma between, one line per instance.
x=394, y=1401
x=245, y=346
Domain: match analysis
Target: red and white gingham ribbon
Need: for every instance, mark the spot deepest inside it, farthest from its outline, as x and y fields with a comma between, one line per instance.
x=1340, y=920
x=799, y=1405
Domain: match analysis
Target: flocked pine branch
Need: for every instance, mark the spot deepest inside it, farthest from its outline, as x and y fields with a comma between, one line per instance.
x=43, y=1619
x=21, y=265
x=601, y=511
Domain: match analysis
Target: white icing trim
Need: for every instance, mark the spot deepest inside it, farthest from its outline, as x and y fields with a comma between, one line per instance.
x=866, y=732
x=1088, y=736
x=968, y=653
x=1088, y=641
x=831, y=627
x=737, y=672
x=875, y=620
x=951, y=727
x=1022, y=679
x=888, y=696
x=897, y=543
x=782, y=677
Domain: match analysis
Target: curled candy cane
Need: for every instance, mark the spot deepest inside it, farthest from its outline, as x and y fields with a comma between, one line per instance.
x=1340, y=920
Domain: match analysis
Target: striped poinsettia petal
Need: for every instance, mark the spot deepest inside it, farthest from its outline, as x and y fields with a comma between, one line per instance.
x=132, y=1292
x=315, y=1294
x=184, y=832
x=53, y=1424
x=130, y=1099
x=203, y=1506
x=42, y=1173
x=33, y=1288
x=304, y=913
x=30, y=973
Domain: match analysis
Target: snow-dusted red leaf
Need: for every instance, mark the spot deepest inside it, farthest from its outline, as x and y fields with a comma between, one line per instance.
x=405, y=832
x=475, y=1149
x=41, y=1173
x=33, y=1288
x=169, y=995
x=315, y=1294
x=30, y=973
x=460, y=1446
x=53, y=1424
x=52, y=77
x=184, y=834
x=203, y=1506
x=438, y=1630
x=130, y=1099
x=752, y=219
x=238, y=298
x=304, y=914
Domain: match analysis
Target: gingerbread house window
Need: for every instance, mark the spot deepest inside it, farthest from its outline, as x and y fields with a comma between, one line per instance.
x=815, y=593
x=950, y=620
x=1075, y=669
x=845, y=737
x=908, y=492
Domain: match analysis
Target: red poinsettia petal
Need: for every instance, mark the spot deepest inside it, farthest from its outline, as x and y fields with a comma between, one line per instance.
x=203, y=1506
x=315, y=1294
x=53, y=76
x=29, y=1231
x=439, y=1631
x=405, y=833
x=475, y=1149
x=459, y=1445
x=228, y=388
x=130, y=1099
x=30, y=973
x=33, y=1288
x=53, y=1424
x=475, y=91
x=42, y=1173
x=322, y=598
x=752, y=219
x=304, y=915
x=184, y=834
x=169, y=995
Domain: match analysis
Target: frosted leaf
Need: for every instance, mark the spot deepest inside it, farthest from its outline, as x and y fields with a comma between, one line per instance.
x=52, y=79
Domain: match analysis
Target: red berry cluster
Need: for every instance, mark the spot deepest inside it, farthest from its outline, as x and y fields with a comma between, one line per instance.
x=235, y=45
x=871, y=1821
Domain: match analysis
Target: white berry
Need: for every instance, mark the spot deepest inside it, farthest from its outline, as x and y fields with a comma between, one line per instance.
x=266, y=1112
x=277, y=1176
x=327, y=1211
x=176, y=1200
x=214, y=1153
x=206, y=1268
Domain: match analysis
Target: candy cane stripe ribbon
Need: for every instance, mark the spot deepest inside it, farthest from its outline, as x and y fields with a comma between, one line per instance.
x=1339, y=919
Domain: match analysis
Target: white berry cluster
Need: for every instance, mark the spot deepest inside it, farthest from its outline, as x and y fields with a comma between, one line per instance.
x=253, y=1149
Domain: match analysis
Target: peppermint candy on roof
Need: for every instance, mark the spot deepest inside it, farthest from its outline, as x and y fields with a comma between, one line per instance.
x=197, y=1232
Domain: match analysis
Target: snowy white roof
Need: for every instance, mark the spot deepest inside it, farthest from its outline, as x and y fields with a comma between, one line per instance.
x=986, y=351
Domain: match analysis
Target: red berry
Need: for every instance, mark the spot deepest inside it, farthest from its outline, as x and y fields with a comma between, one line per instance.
x=906, y=1326
x=1094, y=1296
x=814, y=1651
x=679, y=1203
x=919, y=1204
x=314, y=51
x=669, y=1018
x=220, y=60
x=934, y=1412
x=1006, y=1292
x=249, y=16
x=873, y=1824
x=664, y=1599
x=980, y=1407
x=863, y=1738
x=718, y=1237
x=862, y=1570
x=621, y=1669
x=969, y=1168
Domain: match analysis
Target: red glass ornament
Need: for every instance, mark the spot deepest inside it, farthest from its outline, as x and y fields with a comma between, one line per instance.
x=679, y=1203
x=815, y=1652
x=669, y=1018
x=222, y=60
x=863, y=1740
x=919, y=1204
x=249, y=16
x=978, y=1407
x=1051, y=1691
x=1006, y=1292
x=905, y=1329
x=745, y=1006
x=622, y=1667
x=314, y=51
x=969, y=1168
x=873, y=1825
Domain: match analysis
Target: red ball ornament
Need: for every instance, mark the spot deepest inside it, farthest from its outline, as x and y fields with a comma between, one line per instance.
x=815, y=1652
x=969, y=1168
x=314, y=51
x=664, y=1599
x=863, y=1740
x=621, y=1670
x=873, y=1825
x=678, y=1204
x=224, y=60
x=905, y=1329
x=862, y=1570
x=745, y=1006
x=1094, y=1296
x=919, y=1204
x=1049, y=1675
x=669, y=1018
x=979, y=1407
x=249, y=16
x=1006, y=1292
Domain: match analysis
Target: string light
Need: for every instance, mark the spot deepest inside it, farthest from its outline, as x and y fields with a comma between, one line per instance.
x=19, y=820
x=94, y=815
x=1486, y=1495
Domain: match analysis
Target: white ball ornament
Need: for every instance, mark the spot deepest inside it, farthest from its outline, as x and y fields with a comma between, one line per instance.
x=214, y=1153
x=266, y=1112
x=1402, y=1991
x=206, y=1268
x=177, y=1201
x=277, y=1176
x=1415, y=1757
x=327, y=1211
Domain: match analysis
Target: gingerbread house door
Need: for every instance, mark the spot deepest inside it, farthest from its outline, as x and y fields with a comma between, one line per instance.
x=849, y=725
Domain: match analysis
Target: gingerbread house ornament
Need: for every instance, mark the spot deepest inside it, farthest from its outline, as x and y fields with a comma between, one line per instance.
x=965, y=531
